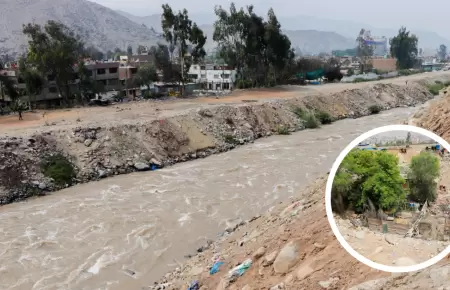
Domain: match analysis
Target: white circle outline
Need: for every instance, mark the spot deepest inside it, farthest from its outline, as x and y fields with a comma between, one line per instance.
x=334, y=168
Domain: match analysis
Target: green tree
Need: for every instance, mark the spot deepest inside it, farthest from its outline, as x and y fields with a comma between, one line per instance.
x=171, y=72
x=442, y=52
x=422, y=176
x=53, y=51
x=129, y=50
x=141, y=49
x=368, y=175
x=34, y=82
x=109, y=54
x=11, y=91
x=364, y=51
x=230, y=36
x=94, y=53
x=404, y=48
x=408, y=138
x=146, y=75
x=258, y=50
x=185, y=36
x=88, y=87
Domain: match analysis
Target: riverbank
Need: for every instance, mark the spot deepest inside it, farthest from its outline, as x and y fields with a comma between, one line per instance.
x=284, y=257
x=42, y=159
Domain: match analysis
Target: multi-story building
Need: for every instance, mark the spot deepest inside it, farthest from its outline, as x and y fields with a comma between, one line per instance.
x=213, y=77
x=379, y=45
x=110, y=75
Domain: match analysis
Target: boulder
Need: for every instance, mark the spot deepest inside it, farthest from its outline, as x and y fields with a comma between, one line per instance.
x=287, y=257
x=141, y=166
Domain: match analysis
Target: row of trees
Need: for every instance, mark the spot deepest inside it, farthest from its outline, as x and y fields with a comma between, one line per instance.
x=373, y=177
x=254, y=45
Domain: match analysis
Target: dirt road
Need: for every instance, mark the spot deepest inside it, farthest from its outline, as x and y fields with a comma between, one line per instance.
x=145, y=110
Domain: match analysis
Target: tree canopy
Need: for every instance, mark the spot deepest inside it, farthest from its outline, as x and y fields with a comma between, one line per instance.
x=442, y=52
x=368, y=175
x=54, y=50
x=364, y=51
x=146, y=75
x=424, y=171
x=183, y=35
x=404, y=49
x=34, y=82
x=257, y=48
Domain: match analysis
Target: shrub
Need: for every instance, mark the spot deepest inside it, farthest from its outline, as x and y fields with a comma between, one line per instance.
x=230, y=139
x=405, y=72
x=447, y=84
x=309, y=118
x=424, y=170
x=283, y=130
x=324, y=117
x=374, y=109
x=435, y=88
x=310, y=121
x=152, y=95
x=299, y=112
x=59, y=169
x=360, y=80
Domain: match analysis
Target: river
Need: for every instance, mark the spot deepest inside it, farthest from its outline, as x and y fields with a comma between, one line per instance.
x=91, y=236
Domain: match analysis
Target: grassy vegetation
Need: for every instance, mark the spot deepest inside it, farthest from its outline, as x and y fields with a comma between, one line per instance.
x=374, y=109
x=324, y=118
x=59, y=169
x=313, y=119
x=360, y=80
x=435, y=88
x=283, y=130
x=230, y=139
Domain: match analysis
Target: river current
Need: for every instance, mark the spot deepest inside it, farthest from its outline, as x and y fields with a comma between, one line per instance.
x=96, y=235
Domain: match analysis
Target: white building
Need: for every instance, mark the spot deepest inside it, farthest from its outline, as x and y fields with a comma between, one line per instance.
x=214, y=77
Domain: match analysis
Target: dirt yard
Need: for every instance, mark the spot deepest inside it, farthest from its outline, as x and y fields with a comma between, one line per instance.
x=389, y=249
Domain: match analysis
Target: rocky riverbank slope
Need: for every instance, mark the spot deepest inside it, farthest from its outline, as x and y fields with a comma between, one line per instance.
x=52, y=158
x=290, y=248
x=435, y=116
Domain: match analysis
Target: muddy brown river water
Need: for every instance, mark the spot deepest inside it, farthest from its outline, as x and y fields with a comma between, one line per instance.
x=92, y=236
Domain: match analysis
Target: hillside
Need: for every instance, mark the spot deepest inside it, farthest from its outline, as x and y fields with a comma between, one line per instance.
x=97, y=24
x=307, y=41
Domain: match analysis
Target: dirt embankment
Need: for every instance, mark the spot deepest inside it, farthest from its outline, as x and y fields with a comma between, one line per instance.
x=290, y=248
x=435, y=116
x=47, y=158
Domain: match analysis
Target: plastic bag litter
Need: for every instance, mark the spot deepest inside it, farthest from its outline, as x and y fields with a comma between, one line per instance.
x=194, y=286
x=241, y=269
x=215, y=267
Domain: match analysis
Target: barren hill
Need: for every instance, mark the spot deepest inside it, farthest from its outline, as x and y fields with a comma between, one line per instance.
x=97, y=24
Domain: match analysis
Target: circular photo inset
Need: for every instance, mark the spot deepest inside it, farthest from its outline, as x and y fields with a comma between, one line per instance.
x=388, y=198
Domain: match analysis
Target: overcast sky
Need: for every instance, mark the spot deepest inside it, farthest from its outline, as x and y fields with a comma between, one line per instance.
x=380, y=13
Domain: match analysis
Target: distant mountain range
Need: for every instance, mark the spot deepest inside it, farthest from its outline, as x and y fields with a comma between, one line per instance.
x=318, y=35
x=108, y=29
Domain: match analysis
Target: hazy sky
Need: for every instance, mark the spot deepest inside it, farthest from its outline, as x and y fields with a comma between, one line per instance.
x=380, y=13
